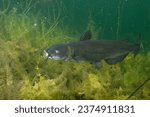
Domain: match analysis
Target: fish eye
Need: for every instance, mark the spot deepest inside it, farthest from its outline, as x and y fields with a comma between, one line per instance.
x=56, y=51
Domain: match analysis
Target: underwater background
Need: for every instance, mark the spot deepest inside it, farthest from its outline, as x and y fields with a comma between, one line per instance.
x=27, y=27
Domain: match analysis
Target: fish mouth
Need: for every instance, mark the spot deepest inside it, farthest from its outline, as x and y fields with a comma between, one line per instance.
x=45, y=54
x=56, y=58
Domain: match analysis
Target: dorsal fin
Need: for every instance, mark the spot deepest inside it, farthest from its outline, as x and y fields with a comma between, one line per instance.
x=86, y=36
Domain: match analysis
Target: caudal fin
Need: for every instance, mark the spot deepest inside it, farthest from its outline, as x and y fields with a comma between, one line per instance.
x=139, y=39
x=136, y=49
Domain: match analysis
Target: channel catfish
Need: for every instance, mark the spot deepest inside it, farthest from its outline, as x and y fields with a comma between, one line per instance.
x=112, y=51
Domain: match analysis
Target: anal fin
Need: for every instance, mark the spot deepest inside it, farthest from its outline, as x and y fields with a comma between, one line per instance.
x=115, y=59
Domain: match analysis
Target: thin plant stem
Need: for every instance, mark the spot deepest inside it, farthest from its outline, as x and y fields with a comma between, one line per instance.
x=139, y=87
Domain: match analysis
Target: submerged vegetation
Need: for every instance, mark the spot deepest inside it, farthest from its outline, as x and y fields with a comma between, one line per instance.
x=25, y=74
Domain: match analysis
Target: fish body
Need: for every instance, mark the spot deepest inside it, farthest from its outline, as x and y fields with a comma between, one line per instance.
x=112, y=51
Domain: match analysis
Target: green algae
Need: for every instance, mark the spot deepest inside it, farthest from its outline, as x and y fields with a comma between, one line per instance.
x=24, y=74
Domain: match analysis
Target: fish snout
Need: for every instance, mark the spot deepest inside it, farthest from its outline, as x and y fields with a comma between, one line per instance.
x=45, y=54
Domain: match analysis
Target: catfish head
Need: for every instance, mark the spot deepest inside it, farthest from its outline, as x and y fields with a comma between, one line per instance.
x=58, y=52
x=64, y=51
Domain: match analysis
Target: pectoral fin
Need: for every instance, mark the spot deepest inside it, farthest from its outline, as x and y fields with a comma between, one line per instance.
x=70, y=53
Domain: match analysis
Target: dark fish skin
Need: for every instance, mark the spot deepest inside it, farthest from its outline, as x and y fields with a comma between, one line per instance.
x=112, y=51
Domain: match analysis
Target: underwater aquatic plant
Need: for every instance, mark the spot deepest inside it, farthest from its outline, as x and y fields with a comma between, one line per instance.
x=82, y=81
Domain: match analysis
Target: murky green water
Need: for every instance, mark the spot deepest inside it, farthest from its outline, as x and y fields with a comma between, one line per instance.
x=113, y=19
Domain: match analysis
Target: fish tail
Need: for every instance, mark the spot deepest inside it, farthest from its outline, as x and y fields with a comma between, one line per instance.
x=139, y=40
x=136, y=49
